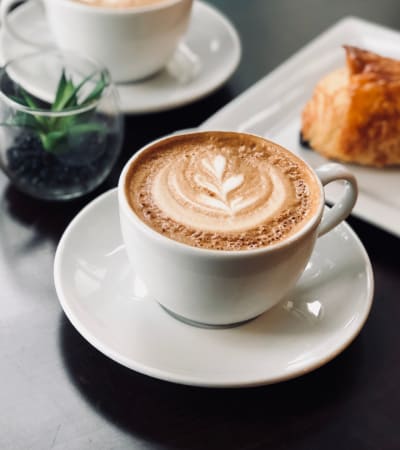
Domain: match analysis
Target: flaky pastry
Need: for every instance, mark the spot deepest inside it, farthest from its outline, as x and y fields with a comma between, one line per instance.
x=354, y=112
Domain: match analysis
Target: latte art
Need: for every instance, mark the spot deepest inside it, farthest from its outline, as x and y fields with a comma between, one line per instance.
x=216, y=194
x=216, y=190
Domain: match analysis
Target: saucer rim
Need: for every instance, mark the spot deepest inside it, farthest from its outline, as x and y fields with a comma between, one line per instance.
x=191, y=380
x=182, y=100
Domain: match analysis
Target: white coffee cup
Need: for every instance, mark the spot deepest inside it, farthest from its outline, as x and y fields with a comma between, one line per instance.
x=133, y=43
x=220, y=288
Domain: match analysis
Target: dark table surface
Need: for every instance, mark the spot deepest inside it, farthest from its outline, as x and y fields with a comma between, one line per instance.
x=57, y=391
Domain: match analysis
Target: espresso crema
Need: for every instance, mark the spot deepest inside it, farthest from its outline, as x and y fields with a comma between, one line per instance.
x=119, y=3
x=221, y=190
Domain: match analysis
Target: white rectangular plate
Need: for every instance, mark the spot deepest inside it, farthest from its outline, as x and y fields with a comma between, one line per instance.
x=272, y=108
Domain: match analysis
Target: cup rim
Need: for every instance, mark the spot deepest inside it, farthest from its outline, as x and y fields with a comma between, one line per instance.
x=99, y=69
x=162, y=4
x=312, y=223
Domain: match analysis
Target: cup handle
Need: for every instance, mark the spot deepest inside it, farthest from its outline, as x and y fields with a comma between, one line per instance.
x=332, y=217
x=5, y=7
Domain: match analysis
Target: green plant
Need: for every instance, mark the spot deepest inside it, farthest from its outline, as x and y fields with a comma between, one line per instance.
x=52, y=130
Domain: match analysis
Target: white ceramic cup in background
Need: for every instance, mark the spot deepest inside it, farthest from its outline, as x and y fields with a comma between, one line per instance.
x=133, y=43
x=219, y=288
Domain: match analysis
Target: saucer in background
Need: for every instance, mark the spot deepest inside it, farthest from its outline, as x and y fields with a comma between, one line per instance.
x=211, y=49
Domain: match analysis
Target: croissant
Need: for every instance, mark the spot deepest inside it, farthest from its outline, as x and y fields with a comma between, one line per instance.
x=354, y=112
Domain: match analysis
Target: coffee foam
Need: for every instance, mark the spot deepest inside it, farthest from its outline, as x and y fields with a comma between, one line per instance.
x=119, y=3
x=221, y=190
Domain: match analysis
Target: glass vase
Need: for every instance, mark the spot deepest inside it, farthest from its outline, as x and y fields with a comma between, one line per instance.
x=60, y=125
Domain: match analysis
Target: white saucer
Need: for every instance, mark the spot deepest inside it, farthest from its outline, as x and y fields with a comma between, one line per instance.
x=211, y=37
x=109, y=307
